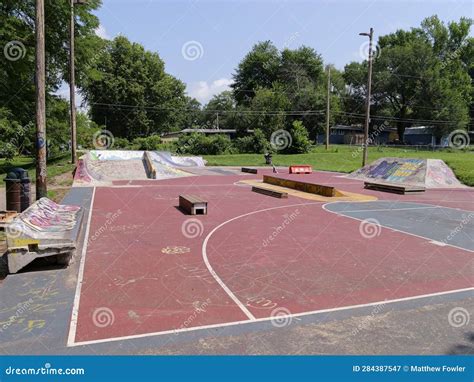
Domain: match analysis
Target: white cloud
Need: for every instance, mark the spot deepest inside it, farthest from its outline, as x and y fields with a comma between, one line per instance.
x=102, y=32
x=203, y=91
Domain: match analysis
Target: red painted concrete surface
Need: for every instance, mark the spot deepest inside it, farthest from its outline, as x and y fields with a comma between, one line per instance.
x=318, y=260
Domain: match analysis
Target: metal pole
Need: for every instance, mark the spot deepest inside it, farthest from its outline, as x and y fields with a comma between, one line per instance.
x=367, y=107
x=328, y=108
x=72, y=85
x=40, y=78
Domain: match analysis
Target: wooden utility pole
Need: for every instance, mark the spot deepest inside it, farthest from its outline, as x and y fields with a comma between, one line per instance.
x=40, y=78
x=328, y=107
x=367, y=104
x=72, y=85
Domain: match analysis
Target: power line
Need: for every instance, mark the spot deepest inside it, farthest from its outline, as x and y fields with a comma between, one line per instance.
x=155, y=108
x=278, y=112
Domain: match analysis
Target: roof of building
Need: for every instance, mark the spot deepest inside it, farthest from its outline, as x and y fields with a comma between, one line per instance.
x=203, y=131
x=355, y=128
x=419, y=130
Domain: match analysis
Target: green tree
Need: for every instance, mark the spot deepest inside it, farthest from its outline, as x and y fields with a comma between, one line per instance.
x=300, y=142
x=267, y=110
x=130, y=93
x=17, y=40
x=421, y=74
x=258, y=69
x=253, y=143
x=219, y=111
x=193, y=114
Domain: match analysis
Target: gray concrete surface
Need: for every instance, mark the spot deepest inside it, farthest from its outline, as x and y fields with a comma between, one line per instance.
x=442, y=224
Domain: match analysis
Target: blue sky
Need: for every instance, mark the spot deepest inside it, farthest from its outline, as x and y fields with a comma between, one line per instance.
x=202, y=41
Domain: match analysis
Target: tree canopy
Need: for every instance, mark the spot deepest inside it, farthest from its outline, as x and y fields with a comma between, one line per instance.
x=131, y=94
x=421, y=76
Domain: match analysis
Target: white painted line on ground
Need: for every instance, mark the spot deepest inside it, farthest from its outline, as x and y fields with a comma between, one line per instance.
x=264, y=319
x=409, y=201
x=391, y=228
x=391, y=209
x=242, y=307
x=80, y=276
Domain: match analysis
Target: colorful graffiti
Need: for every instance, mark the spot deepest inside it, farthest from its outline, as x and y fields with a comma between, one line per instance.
x=46, y=216
x=81, y=174
x=399, y=171
x=430, y=173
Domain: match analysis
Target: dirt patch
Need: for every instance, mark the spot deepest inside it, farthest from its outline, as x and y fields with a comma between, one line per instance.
x=62, y=180
x=57, y=194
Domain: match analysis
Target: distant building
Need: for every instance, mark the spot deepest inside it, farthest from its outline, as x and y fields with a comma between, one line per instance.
x=354, y=135
x=424, y=135
x=419, y=135
x=172, y=136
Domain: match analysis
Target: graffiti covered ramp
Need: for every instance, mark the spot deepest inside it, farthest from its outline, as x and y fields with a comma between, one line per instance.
x=428, y=173
x=102, y=167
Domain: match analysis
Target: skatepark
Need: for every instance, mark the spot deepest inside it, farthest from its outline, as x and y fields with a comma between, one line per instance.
x=271, y=252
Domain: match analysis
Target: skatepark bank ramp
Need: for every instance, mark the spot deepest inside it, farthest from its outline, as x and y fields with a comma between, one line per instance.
x=105, y=166
x=428, y=173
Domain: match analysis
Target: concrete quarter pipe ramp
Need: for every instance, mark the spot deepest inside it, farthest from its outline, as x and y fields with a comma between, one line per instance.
x=429, y=173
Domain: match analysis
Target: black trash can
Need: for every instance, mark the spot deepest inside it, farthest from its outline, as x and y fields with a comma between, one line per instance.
x=13, y=192
x=25, y=192
x=19, y=175
x=268, y=158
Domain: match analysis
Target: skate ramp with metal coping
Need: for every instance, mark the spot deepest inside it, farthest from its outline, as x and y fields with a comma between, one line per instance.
x=428, y=173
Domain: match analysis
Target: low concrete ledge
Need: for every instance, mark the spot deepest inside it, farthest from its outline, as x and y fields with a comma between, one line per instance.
x=311, y=188
x=44, y=229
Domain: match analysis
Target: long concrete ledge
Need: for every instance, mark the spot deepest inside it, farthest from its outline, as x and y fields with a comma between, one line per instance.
x=311, y=188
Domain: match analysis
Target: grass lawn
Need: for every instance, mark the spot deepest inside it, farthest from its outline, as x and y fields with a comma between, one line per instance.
x=342, y=158
x=56, y=166
x=59, y=174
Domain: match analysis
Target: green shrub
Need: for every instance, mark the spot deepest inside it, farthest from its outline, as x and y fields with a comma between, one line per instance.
x=300, y=139
x=7, y=151
x=199, y=144
x=122, y=143
x=256, y=143
x=147, y=143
